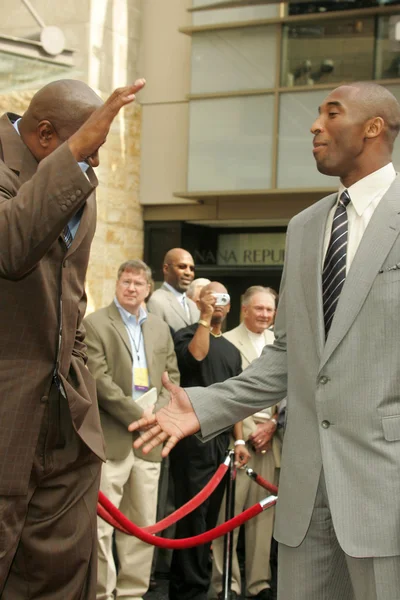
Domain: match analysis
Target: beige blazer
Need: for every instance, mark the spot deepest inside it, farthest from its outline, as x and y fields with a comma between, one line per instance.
x=240, y=338
x=110, y=362
x=164, y=304
x=36, y=270
x=343, y=395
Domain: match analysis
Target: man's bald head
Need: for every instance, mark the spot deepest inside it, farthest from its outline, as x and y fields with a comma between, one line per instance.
x=56, y=112
x=374, y=100
x=178, y=269
x=214, y=286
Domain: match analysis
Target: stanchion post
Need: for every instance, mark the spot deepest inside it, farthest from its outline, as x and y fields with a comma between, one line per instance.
x=228, y=538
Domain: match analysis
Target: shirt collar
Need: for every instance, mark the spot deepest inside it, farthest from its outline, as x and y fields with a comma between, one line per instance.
x=179, y=295
x=128, y=317
x=364, y=191
x=16, y=126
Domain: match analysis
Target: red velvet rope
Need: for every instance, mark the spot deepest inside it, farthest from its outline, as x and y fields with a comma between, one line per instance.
x=130, y=528
x=265, y=484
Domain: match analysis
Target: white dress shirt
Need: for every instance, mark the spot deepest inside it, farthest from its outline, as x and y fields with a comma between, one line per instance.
x=365, y=196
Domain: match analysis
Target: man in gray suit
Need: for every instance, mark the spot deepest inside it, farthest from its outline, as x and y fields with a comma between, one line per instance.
x=336, y=358
x=170, y=301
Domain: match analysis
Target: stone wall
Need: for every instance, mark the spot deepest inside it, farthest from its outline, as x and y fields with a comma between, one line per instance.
x=119, y=234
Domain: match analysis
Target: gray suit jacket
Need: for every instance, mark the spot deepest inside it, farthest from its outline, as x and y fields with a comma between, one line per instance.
x=240, y=338
x=343, y=395
x=164, y=304
x=110, y=362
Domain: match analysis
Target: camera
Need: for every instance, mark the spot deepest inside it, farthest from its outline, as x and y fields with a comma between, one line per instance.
x=221, y=299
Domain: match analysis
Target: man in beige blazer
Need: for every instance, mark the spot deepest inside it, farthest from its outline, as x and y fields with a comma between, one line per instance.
x=264, y=445
x=128, y=351
x=338, y=513
x=170, y=301
x=50, y=436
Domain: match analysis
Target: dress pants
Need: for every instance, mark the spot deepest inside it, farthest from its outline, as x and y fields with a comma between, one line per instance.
x=258, y=531
x=131, y=484
x=319, y=569
x=193, y=463
x=48, y=546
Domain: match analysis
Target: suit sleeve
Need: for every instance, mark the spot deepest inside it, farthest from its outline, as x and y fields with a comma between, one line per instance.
x=110, y=396
x=33, y=215
x=261, y=385
x=171, y=366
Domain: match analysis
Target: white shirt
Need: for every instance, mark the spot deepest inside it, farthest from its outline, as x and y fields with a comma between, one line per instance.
x=133, y=327
x=365, y=196
x=258, y=340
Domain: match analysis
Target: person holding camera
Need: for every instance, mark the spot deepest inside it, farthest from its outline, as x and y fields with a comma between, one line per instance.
x=204, y=357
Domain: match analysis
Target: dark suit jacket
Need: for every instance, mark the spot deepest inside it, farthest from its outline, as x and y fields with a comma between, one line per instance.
x=110, y=361
x=36, y=270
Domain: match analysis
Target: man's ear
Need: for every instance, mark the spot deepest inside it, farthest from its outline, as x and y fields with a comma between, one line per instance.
x=46, y=133
x=165, y=268
x=374, y=127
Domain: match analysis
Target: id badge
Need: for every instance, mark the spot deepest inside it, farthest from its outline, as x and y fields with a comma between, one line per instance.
x=141, y=379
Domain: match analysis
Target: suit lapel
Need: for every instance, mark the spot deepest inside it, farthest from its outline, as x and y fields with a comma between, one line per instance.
x=245, y=345
x=88, y=216
x=118, y=324
x=176, y=305
x=376, y=243
x=311, y=253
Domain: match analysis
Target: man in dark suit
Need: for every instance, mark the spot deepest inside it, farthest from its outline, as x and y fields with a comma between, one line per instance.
x=51, y=443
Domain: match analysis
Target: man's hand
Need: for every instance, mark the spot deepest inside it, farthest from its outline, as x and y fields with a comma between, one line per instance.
x=262, y=436
x=242, y=456
x=85, y=143
x=170, y=424
x=206, y=304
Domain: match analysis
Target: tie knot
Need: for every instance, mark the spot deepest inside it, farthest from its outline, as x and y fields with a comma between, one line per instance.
x=345, y=198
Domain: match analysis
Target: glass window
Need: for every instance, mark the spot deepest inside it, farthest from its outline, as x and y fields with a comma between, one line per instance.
x=18, y=72
x=231, y=15
x=230, y=143
x=233, y=59
x=322, y=6
x=387, y=62
x=296, y=164
x=328, y=52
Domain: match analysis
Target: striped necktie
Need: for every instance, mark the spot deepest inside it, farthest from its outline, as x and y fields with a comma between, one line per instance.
x=334, y=272
x=67, y=236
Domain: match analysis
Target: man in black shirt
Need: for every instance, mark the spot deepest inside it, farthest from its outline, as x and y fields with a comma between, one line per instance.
x=204, y=357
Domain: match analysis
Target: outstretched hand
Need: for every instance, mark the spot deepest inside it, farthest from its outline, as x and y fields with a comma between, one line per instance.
x=85, y=142
x=170, y=424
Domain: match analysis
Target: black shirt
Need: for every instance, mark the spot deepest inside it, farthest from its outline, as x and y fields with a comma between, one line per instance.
x=222, y=361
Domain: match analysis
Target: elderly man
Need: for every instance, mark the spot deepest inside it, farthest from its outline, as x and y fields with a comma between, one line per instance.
x=170, y=302
x=50, y=435
x=128, y=351
x=264, y=446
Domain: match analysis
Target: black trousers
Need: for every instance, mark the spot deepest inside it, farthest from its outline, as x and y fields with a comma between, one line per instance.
x=193, y=463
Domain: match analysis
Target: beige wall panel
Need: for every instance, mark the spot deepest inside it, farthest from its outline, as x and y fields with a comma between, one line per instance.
x=165, y=53
x=164, y=152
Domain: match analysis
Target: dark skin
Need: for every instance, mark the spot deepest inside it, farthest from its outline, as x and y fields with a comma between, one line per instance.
x=178, y=269
x=346, y=143
x=69, y=110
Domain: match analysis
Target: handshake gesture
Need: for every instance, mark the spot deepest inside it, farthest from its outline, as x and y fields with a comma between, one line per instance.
x=170, y=424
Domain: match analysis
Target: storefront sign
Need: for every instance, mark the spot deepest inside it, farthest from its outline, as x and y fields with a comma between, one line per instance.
x=245, y=249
